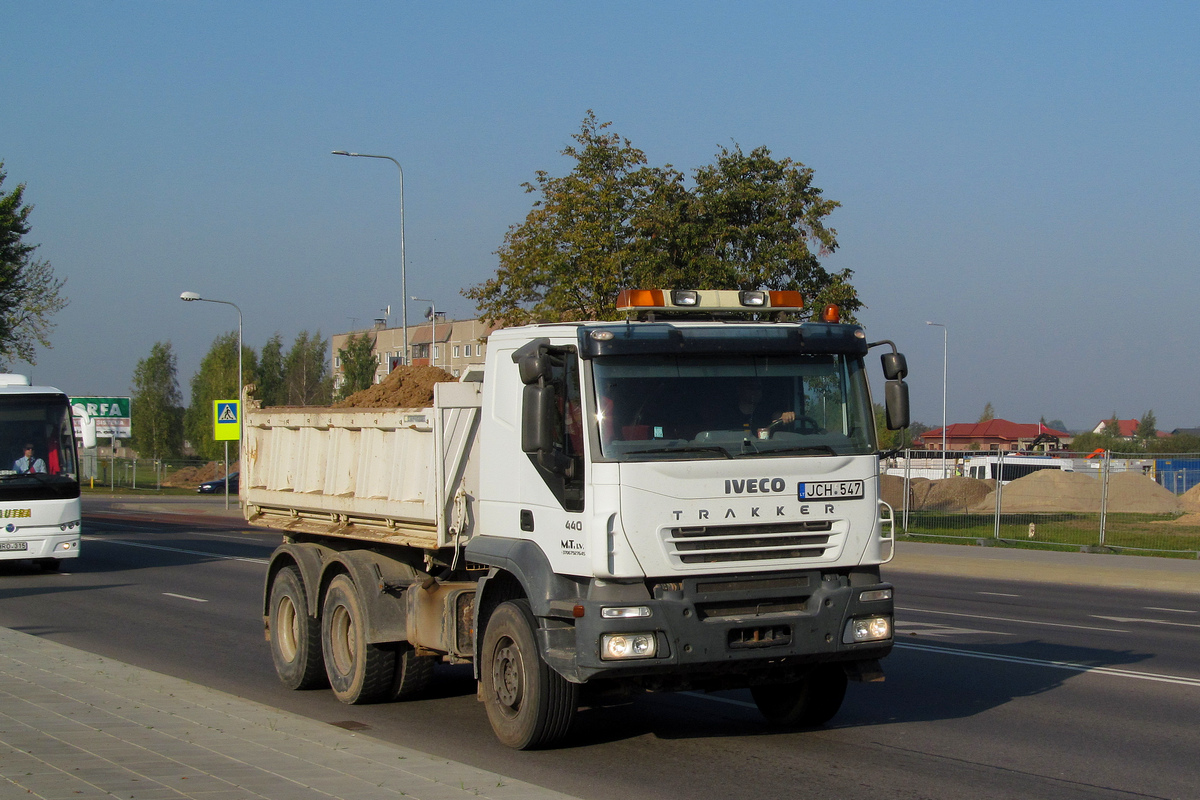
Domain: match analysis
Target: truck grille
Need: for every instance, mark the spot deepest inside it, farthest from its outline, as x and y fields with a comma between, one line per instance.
x=716, y=544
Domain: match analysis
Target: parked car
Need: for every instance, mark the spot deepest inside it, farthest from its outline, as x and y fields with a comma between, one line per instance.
x=218, y=486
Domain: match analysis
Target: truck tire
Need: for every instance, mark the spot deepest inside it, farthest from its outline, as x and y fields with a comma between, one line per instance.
x=358, y=672
x=414, y=673
x=807, y=703
x=295, y=634
x=528, y=704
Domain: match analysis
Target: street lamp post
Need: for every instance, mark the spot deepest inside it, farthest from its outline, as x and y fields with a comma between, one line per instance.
x=190, y=297
x=433, y=332
x=945, y=364
x=403, y=278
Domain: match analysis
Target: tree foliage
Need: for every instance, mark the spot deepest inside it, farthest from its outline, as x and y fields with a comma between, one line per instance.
x=1147, y=428
x=157, y=405
x=749, y=221
x=217, y=379
x=989, y=413
x=29, y=292
x=358, y=364
x=269, y=386
x=306, y=377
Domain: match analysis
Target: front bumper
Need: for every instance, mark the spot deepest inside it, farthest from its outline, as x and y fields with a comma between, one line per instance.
x=723, y=630
x=40, y=542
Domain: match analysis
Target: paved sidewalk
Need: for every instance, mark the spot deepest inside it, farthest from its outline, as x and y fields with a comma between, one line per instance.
x=76, y=725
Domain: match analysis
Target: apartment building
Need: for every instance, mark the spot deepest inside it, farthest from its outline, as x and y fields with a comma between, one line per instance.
x=449, y=344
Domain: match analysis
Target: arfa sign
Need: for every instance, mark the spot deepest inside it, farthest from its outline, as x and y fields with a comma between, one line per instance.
x=112, y=415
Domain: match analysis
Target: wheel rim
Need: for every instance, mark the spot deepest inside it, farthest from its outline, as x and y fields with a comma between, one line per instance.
x=287, y=634
x=508, y=676
x=342, y=636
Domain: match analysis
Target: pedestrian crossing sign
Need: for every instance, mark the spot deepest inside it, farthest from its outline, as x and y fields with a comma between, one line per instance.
x=226, y=420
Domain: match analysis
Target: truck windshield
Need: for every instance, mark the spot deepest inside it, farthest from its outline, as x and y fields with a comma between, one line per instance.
x=37, y=448
x=653, y=407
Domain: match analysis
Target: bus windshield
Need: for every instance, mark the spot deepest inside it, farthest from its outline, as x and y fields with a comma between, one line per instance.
x=37, y=448
x=663, y=406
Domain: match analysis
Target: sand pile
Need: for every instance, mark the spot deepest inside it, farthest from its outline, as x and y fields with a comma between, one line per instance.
x=1190, y=500
x=190, y=477
x=1051, y=490
x=405, y=387
x=957, y=494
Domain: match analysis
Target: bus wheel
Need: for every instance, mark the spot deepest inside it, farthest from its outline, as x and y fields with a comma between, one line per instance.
x=358, y=672
x=808, y=702
x=295, y=634
x=528, y=704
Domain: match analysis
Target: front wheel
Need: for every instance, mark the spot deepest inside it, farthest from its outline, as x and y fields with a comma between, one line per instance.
x=295, y=634
x=808, y=702
x=359, y=672
x=528, y=704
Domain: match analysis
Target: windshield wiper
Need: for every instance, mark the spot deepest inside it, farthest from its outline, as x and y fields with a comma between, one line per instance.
x=820, y=448
x=711, y=448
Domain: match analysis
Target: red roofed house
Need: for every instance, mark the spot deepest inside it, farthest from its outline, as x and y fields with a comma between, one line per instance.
x=993, y=435
x=1128, y=428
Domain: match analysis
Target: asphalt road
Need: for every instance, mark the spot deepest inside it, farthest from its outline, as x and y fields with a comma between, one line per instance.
x=997, y=689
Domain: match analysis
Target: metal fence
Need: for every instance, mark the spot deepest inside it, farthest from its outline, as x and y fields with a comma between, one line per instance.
x=101, y=472
x=1104, y=502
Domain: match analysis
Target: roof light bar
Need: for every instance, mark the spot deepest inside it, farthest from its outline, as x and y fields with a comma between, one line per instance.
x=714, y=300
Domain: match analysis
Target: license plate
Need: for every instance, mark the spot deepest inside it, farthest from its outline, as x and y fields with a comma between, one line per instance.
x=14, y=545
x=831, y=490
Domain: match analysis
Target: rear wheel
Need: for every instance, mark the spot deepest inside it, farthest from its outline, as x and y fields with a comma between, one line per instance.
x=811, y=701
x=359, y=672
x=413, y=675
x=528, y=704
x=295, y=634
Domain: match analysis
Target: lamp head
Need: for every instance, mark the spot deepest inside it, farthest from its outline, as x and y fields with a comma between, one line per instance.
x=189, y=296
x=339, y=153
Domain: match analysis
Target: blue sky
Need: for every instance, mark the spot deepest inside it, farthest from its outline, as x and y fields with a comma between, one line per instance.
x=1025, y=173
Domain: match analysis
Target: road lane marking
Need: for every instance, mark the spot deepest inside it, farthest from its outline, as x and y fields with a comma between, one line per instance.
x=1171, y=610
x=1152, y=621
x=1071, y=666
x=179, y=550
x=999, y=594
x=937, y=629
x=1009, y=619
x=185, y=597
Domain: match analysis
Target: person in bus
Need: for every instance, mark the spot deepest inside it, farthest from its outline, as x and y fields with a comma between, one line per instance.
x=29, y=462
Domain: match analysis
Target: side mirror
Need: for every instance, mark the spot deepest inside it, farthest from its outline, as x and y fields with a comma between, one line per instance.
x=896, y=402
x=538, y=408
x=88, y=430
x=895, y=366
x=532, y=361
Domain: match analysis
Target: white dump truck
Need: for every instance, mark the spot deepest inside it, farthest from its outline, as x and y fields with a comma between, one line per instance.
x=39, y=474
x=686, y=499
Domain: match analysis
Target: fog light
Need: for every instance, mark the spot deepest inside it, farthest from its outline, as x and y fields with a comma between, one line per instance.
x=875, y=594
x=867, y=629
x=625, y=612
x=614, y=646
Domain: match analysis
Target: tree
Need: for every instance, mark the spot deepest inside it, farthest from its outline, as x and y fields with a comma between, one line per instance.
x=1147, y=429
x=217, y=379
x=358, y=364
x=270, y=373
x=157, y=405
x=29, y=292
x=750, y=222
x=306, y=371
x=989, y=413
x=1057, y=425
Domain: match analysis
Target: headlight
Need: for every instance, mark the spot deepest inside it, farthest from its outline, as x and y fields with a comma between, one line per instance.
x=615, y=646
x=867, y=629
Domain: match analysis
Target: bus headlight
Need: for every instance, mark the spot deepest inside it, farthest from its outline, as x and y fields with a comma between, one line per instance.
x=867, y=629
x=624, y=646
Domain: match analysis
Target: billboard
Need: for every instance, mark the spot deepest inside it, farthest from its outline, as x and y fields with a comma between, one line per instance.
x=111, y=414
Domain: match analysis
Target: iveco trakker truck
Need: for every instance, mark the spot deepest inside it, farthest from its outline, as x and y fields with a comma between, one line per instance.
x=39, y=476
x=685, y=499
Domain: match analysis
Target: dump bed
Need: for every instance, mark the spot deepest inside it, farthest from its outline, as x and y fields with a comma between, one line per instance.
x=390, y=475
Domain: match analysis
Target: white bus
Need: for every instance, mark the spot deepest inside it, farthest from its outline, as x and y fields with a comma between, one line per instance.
x=39, y=474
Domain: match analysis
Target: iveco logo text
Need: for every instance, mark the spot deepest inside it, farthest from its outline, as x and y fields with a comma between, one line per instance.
x=755, y=485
